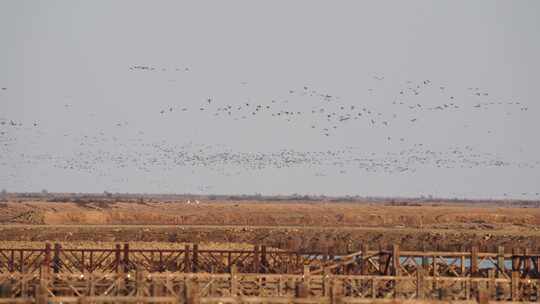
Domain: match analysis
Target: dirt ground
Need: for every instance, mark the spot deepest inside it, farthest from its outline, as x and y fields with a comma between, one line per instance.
x=296, y=225
x=253, y=213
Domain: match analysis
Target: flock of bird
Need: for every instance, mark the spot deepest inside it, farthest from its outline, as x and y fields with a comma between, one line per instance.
x=325, y=113
x=152, y=68
x=162, y=156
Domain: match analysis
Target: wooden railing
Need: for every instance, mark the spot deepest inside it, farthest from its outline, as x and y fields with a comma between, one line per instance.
x=46, y=287
x=191, y=259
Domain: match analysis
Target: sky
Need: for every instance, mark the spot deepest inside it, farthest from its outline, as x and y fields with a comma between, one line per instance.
x=370, y=98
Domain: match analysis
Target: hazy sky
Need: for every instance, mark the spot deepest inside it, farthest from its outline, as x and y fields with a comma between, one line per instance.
x=386, y=98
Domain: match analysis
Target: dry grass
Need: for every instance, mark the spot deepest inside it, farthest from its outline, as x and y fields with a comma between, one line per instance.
x=293, y=225
x=268, y=214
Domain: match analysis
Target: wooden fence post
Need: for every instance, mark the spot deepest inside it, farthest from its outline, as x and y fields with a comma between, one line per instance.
x=12, y=261
x=326, y=281
x=187, y=267
x=41, y=296
x=326, y=253
x=336, y=292
x=396, y=269
x=468, y=286
x=474, y=269
x=537, y=264
x=396, y=263
x=117, y=258
x=374, y=285
x=24, y=283
x=384, y=258
x=126, y=258
x=420, y=283
x=463, y=268
x=41, y=292
x=21, y=261
x=192, y=292
x=483, y=296
x=229, y=262
x=140, y=283
x=195, y=258
x=47, y=258
x=234, y=281
x=355, y=267
x=500, y=262
x=56, y=258
x=91, y=284
x=256, y=262
x=515, y=286
x=307, y=277
x=331, y=252
x=527, y=261
x=264, y=261
x=364, y=260
x=435, y=273
x=474, y=260
x=492, y=286
x=157, y=288
x=515, y=259
x=122, y=280
x=425, y=263
x=302, y=288
x=45, y=274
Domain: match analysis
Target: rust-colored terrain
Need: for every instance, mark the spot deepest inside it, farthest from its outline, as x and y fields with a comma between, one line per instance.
x=287, y=224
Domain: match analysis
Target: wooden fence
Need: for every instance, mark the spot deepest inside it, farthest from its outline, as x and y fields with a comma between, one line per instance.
x=141, y=286
x=191, y=259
